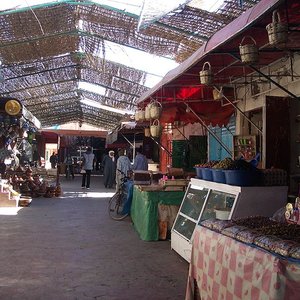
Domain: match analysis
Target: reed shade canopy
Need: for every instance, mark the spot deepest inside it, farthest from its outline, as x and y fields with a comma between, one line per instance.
x=46, y=50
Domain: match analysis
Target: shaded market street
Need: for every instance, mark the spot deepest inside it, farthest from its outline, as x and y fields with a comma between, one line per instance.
x=68, y=248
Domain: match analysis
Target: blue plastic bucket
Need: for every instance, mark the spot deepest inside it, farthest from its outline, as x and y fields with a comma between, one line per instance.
x=218, y=175
x=199, y=172
x=207, y=174
x=242, y=177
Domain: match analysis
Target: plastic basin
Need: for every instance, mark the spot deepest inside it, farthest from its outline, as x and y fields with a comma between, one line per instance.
x=207, y=174
x=199, y=172
x=242, y=177
x=218, y=175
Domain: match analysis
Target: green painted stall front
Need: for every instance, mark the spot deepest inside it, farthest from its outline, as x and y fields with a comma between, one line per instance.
x=144, y=210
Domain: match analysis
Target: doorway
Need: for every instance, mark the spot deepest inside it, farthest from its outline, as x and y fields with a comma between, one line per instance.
x=49, y=149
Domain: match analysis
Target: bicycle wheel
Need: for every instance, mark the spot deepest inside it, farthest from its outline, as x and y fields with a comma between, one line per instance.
x=116, y=207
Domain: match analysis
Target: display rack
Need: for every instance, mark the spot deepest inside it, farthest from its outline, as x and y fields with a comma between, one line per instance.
x=206, y=199
x=244, y=146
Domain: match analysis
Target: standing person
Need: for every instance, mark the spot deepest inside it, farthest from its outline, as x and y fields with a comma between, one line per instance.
x=36, y=158
x=53, y=160
x=69, y=165
x=88, y=161
x=123, y=167
x=2, y=168
x=140, y=162
x=109, y=169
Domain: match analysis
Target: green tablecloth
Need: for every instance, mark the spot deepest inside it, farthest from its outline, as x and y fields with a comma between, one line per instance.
x=144, y=210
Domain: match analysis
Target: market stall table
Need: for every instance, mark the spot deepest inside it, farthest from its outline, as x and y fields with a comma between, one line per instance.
x=224, y=268
x=144, y=210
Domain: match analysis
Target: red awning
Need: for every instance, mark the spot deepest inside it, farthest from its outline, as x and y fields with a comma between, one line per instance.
x=222, y=51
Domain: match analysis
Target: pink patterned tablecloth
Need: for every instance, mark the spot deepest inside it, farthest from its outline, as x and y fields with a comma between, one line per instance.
x=224, y=268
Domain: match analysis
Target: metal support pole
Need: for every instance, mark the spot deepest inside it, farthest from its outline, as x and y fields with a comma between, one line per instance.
x=127, y=140
x=181, y=133
x=245, y=116
x=161, y=146
x=268, y=78
x=211, y=132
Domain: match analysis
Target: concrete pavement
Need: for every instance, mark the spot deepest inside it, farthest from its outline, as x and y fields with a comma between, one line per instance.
x=68, y=248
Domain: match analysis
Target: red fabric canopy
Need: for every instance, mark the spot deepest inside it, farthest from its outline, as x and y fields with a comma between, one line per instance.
x=222, y=52
x=211, y=114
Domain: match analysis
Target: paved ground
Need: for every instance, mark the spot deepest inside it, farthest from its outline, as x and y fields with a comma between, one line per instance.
x=68, y=248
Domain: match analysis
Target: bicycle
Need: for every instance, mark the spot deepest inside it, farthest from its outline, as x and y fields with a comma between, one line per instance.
x=117, y=202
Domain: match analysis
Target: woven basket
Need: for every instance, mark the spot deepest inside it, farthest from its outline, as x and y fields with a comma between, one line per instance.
x=139, y=115
x=206, y=76
x=249, y=52
x=155, y=128
x=277, y=31
x=147, y=111
x=155, y=110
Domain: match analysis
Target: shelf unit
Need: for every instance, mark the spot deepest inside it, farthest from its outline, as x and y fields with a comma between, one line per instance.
x=244, y=146
x=202, y=199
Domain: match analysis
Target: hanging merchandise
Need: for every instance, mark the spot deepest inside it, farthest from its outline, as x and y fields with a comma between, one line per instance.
x=155, y=110
x=277, y=31
x=155, y=128
x=206, y=76
x=139, y=115
x=218, y=94
x=249, y=52
x=147, y=111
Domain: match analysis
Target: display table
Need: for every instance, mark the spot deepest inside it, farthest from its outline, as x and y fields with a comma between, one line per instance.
x=144, y=210
x=224, y=268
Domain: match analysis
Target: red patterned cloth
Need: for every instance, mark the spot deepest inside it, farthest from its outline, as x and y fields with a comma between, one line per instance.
x=224, y=268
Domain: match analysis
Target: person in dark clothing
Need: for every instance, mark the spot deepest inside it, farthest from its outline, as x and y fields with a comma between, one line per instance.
x=109, y=169
x=69, y=166
x=53, y=160
x=140, y=162
x=2, y=168
x=36, y=158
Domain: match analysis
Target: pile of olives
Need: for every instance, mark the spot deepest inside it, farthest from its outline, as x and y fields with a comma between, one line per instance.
x=229, y=164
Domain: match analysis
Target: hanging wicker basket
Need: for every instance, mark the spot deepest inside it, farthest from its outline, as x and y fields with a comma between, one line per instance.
x=155, y=110
x=139, y=115
x=206, y=76
x=147, y=111
x=147, y=132
x=249, y=52
x=277, y=31
x=155, y=128
x=218, y=94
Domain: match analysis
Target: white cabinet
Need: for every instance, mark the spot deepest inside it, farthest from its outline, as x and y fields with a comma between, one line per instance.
x=206, y=199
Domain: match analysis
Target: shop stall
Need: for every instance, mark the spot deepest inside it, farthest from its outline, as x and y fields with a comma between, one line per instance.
x=19, y=181
x=244, y=264
x=155, y=202
x=206, y=199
